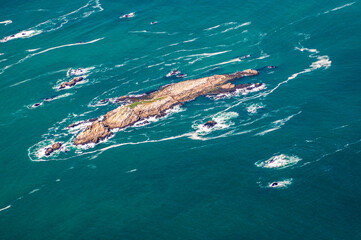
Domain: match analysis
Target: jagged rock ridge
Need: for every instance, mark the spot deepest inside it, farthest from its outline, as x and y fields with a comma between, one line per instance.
x=156, y=103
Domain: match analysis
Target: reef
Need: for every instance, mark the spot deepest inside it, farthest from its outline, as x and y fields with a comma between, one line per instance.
x=71, y=83
x=51, y=149
x=154, y=104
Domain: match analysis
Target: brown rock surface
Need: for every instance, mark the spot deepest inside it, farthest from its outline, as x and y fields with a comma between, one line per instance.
x=93, y=133
x=51, y=149
x=156, y=103
x=71, y=83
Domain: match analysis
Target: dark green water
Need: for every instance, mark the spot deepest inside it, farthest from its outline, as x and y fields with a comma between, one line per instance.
x=173, y=179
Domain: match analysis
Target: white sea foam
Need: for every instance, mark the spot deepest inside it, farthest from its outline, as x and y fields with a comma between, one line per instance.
x=279, y=161
x=204, y=54
x=78, y=71
x=154, y=65
x=61, y=96
x=277, y=124
x=175, y=109
x=130, y=171
x=302, y=49
x=146, y=121
x=149, y=32
x=35, y=157
x=322, y=62
x=38, y=150
x=33, y=50
x=33, y=191
x=128, y=15
x=217, y=26
x=168, y=112
x=190, y=40
x=240, y=91
x=47, y=50
x=219, y=64
x=79, y=126
x=66, y=45
x=340, y=7
x=22, y=34
x=35, y=105
x=253, y=108
x=6, y=22
x=236, y=27
x=7, y=207
x=229, y=29
x=280, y=184
x=346, y=5
x=222, y=119
x=262, y=56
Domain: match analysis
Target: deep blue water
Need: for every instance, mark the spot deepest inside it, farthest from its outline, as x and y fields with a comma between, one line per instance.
x=173, y=179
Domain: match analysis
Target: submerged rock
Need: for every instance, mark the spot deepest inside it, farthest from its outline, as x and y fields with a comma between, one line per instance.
x=154, y=104
x=51, y=149
x=274, y=184
x=36, y=105
x=210, y=124
x=174, y=72
x=71, y=83
x=78, y=123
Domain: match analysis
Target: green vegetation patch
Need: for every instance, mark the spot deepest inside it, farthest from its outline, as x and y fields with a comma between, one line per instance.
x=133, y=105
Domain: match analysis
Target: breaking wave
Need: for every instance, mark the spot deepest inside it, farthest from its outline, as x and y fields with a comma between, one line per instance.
x=279, y=161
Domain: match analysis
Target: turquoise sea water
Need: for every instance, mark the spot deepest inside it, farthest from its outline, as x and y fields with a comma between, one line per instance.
x=171, y=179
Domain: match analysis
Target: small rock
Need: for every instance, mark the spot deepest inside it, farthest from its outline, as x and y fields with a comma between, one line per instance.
x=71, y=83
x=37, y=105
x=274, y=184
x=48, y=151
x=181, y=76
x=210, y=124
x=56, y=146
x=64, y=84
x=245, y=56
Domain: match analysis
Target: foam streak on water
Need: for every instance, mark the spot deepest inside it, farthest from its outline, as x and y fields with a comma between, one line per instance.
x=47, y=50
x=6, y=22
x=56, y=23
x=277, y=124
x=322, y=62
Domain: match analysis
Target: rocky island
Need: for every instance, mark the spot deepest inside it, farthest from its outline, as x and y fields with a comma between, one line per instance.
x=157, y=102
x=71, y=83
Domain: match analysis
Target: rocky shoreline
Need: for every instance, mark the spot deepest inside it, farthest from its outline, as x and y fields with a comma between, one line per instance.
x=157, y=102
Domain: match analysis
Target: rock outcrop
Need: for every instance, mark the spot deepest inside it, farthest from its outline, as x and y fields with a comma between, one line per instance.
x=71, y=83
x=157, y=102
x=210, y=124
x=51, y=149
x=93, y=133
